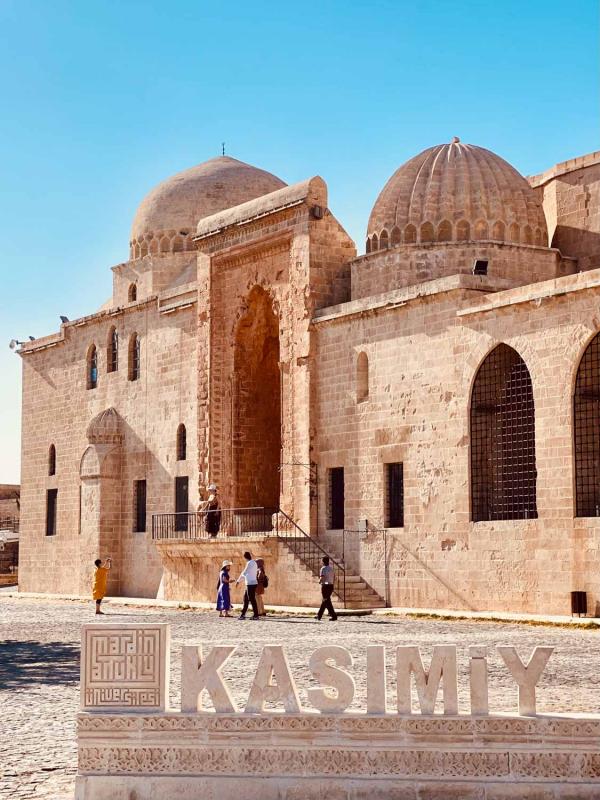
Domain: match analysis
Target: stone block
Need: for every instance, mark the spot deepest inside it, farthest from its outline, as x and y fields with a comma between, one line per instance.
x=125, y=667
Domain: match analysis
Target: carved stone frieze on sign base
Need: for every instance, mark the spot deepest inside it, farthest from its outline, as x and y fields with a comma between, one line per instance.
x=202, y=753
x=125, y=667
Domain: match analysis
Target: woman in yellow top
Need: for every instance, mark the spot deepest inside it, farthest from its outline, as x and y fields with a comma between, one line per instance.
x=100, y=578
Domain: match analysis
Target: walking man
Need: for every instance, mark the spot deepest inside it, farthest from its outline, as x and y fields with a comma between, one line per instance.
x=250, y=575
x=326, y=581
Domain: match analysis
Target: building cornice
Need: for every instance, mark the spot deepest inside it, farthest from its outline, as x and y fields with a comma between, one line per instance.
x=312, y=192
x=572, y=165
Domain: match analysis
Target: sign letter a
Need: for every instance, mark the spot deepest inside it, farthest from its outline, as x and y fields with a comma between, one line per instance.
x=197, y=675
x=273, y=664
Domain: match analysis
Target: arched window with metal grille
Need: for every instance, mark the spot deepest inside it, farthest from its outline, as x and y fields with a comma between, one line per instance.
x=181, y=443
x=112, y=351
x=134, y=357
x=92, y=367
x=52, y=460
x=132, y=293
x=503, y=467
x=586, y=424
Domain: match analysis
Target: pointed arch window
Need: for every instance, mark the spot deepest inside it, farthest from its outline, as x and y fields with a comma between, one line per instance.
x=362, y=377
x=181, y=443
x=134, y=357
x=586, y=425
x=112, y=351
x=503, y=466
x=52, y=460
x=92, y=367
x=132, y=292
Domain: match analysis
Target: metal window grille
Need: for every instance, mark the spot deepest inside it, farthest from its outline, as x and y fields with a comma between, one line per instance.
x=92, y=381
x=503, y=471
x=394, y=495
x=51, y=504
x=52, y=460
x=140, y=506
x=134, y=358
x=181, y=443
x=336, y=498
x=113, y=352
x=586, y=421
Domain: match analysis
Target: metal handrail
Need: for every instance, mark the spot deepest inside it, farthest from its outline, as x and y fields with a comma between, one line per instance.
x=308, y=544
x=212, y=524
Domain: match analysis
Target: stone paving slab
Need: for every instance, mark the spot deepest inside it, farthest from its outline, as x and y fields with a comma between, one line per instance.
x=39, y=669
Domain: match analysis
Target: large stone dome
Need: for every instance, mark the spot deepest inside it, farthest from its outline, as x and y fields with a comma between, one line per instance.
x=456, y=192
x=167, y=217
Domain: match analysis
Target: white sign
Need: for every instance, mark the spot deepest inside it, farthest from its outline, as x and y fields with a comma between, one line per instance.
x=331, y=668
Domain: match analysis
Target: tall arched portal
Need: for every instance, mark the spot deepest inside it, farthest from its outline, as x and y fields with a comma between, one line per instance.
x=257, y=405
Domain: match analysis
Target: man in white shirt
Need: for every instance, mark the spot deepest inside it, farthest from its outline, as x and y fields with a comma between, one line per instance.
x=250, y=576
x=327, y=583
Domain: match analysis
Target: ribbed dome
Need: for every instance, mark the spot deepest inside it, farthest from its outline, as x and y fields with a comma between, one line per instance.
x=456, y=192
x=168, y=215
x=105, y=428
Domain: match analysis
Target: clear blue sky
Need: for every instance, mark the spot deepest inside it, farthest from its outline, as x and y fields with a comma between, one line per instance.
x=102, y=99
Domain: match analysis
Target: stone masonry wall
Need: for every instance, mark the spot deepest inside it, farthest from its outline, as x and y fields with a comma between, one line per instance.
x=570, y=193
x=191, y=570
x=406, y=265
x=301, y=263
x=57, y=408
x=423, y=358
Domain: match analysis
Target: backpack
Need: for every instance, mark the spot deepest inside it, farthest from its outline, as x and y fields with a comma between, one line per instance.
x=265, y=581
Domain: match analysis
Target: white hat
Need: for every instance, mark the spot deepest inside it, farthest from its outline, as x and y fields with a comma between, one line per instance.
x=226, y=564
x=212, y=488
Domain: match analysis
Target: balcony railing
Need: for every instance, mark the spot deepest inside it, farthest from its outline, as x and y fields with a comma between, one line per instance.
x=215, y=524
x=225, y=522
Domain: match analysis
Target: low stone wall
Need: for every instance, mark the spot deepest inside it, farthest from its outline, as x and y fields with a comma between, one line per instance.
x=349, y=756
x=191, y=570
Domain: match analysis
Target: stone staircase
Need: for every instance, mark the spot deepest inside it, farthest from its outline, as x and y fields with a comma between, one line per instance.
x=358, y=593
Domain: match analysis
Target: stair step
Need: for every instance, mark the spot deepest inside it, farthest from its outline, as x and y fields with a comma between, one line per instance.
x=359, y=595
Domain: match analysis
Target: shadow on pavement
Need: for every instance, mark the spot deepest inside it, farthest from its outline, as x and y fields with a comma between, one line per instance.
x=23, y=663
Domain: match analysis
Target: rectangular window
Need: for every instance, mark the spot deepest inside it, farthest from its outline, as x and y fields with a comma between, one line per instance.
x=336, y=498
x=181, y=504
x=139, y=506
x=394, y=496
x=51, y=503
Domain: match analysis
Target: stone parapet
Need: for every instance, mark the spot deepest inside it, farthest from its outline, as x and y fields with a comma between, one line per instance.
x=191, y=569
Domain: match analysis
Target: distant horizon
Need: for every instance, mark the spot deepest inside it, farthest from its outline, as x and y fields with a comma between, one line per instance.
x=103, y=102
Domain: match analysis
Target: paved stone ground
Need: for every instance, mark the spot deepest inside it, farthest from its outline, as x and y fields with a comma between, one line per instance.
x=39, y=671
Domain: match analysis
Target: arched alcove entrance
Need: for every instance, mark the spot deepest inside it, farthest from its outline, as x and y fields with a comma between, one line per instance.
x=257, y=405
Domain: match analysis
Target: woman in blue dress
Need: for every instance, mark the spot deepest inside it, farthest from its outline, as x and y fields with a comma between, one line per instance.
x=223, y=601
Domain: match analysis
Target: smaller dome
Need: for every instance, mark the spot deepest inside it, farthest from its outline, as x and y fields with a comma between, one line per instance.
x=167, y=217
x=456, y=192
x=105, y=428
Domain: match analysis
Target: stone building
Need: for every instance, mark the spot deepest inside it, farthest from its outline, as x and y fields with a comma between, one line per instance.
x=428, y=413
x=9, y=532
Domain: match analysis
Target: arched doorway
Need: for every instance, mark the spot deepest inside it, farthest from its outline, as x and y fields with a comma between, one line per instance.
x=257, y=405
